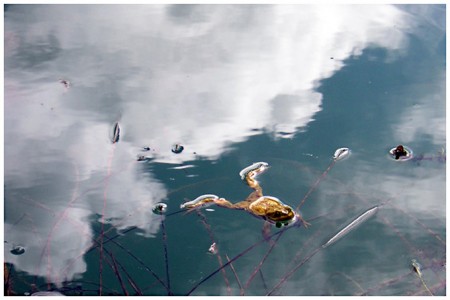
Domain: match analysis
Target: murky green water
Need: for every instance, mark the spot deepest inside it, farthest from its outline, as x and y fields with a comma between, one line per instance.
x=234, y=85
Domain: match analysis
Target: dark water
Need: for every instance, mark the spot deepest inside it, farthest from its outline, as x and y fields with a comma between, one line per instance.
x=234, y=85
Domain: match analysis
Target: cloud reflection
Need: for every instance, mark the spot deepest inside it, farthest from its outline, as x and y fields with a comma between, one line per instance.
x=203, y=76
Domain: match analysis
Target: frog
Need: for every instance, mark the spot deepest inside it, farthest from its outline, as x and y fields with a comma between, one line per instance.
x=270, y=209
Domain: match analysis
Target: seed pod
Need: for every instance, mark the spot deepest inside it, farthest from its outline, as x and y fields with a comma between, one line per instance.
x=17, y=250
x=159, y=208
x=341, y=153
x=177, y=148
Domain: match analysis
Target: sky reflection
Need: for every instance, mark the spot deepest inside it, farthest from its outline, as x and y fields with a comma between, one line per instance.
x=203, y=76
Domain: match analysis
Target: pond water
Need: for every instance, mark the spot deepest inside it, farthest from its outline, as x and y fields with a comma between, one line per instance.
x=232, y=84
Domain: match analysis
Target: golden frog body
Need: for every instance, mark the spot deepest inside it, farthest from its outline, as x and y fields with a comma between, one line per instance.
x=268, y=208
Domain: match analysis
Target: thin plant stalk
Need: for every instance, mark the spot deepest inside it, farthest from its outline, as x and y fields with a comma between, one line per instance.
x=130, y=280
x=314, y=186
x=236, y=276
x=219, y=259
x=232, y=260
x=113, y=266
x=166, y=260
x=103, y=219
x=258, y=267
x=290, y=273
x=358, y=221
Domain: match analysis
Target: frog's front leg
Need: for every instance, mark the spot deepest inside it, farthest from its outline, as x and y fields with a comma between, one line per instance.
x=302, y=221
x=266, y=232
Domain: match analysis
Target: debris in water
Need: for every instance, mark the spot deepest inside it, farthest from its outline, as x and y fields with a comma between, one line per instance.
x=159, y=208
x=66, y=83
x=310, y=154
x=213, y=248
x=177, y=148
x=116, y=133
x=358, y=221
x=17, y=250
x=182, y=167
x=418, y=269
x=341, y=153
x=142, y=158
x=47, y=293
x=401, y=153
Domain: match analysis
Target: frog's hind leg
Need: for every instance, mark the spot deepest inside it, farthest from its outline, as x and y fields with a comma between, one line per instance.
x=225, y=203
x=250, y=173
x=254, y=184
x=253, y=196
x=207, y=200
x=202, y=201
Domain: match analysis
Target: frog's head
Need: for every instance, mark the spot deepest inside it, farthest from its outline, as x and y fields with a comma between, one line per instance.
x=283, y=213
x=289, y=222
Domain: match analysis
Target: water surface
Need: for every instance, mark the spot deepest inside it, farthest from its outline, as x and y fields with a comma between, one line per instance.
x=233, y=84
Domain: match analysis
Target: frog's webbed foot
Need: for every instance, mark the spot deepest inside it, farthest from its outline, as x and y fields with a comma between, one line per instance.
x=202, y=201
x=249, y=175
x=303, y=222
